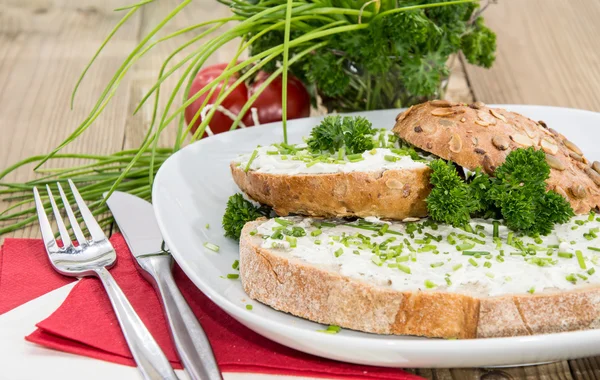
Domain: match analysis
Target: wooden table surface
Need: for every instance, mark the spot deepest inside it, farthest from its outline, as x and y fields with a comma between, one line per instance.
x=548, y=53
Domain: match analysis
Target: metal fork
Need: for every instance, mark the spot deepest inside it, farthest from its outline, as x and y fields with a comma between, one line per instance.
x=93, y=258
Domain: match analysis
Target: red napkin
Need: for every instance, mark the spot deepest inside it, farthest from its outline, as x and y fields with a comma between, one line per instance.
x=85, y=324
x=25, y=273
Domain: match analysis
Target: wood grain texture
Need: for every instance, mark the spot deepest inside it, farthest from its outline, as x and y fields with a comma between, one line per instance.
x=548, y=53
x=44, y=45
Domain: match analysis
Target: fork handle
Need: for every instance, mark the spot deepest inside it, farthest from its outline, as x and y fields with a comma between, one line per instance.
x=150, y=359
x=190, y=340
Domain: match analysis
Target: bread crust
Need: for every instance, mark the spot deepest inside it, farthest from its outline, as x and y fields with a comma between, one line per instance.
x=293, y=286
x=390, y=194
x=479, y=136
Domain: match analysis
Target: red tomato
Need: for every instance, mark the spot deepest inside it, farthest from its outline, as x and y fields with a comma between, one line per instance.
x=234, y=102
x=268, y=104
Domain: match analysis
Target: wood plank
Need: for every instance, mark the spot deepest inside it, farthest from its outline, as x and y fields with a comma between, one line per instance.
x=44, y=45
x=548, y=53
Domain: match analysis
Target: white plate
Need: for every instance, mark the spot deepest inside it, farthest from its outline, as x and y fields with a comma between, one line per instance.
x=192, y=188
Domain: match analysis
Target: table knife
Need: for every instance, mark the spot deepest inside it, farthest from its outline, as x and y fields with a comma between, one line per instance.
x=136, y=220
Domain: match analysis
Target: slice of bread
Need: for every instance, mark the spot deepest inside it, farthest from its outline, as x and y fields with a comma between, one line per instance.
x=479, y=136
x=382, y=184
x=391, y=194
x=321, y=288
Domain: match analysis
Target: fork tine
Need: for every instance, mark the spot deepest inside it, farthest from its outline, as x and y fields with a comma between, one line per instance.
x=64, y=234
x=72, y=219
x=45, y=226
x=88, y=218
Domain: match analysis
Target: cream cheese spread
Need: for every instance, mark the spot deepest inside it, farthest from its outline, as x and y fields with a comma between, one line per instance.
x=269, y=159
x=429, y=256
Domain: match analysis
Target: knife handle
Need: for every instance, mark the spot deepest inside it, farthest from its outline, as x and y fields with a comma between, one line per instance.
x=150, y=359
x=191, y=342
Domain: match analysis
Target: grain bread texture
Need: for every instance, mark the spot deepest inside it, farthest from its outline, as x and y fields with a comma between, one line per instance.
x=391, y=194
x=323, y=295
x=476, y=135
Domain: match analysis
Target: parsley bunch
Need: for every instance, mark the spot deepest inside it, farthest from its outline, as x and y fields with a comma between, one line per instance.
x=516, y=194
x=334, y=132
x=398, y=59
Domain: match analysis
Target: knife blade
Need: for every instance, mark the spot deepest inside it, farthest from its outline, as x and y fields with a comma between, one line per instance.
x=136, y=220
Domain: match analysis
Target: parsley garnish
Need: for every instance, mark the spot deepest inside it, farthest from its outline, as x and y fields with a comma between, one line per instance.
x=239, y=211
x=355, y=133
x=516, y=194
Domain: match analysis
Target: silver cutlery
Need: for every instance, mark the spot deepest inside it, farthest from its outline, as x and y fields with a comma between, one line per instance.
x=137, y=222
x=93, y=258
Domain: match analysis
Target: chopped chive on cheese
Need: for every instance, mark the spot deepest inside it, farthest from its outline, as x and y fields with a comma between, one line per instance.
x=383, y=229
x=235, y=265
x=490, y=275
x=591, y=216
x=427, y=248
x=376, y=260
x=404, y=268
x=571, y=278
x=531, y=290
x=565, y=255
x=207, y=226
x=487, y=264
x=292, y=240
x=457, y=267
x=473, y=262
x=465, y=246
x=429, y=284
x=496, y=226
x=475, y=253
x=591, y=271
x=448, y=281
x=594, y=249
x=580, y=259
x=283, y=222
x=211, y=246
x=582, y=276
x=248, y=307
x=339, y=252
x=316, y=232
x=401, y=259
x=318, y=242
x=499, y=259
x=233, y=276
x=436, y=265
x=391, y=158
x=509, y=238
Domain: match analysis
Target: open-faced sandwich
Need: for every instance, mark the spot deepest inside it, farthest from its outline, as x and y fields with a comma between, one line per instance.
x=501, y=253
x=346, y=168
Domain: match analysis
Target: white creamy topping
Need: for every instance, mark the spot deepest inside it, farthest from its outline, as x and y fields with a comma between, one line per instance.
x=435, y=262
x=373, y=160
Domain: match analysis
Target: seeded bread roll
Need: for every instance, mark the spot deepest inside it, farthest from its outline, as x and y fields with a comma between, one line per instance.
x=479, y=136
x=391, y=194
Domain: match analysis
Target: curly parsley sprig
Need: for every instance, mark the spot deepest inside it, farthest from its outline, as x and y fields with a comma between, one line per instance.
x=516, y=194
x=353, y=133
